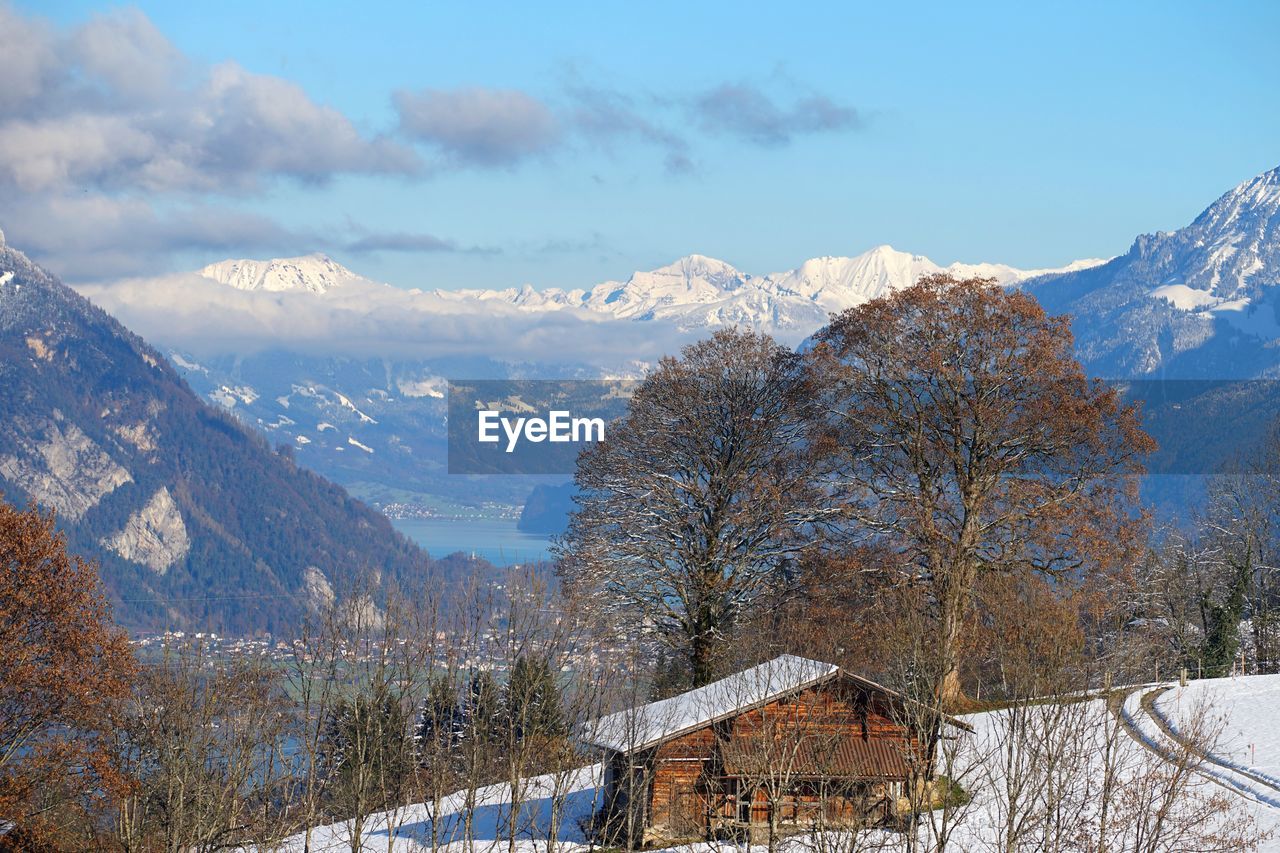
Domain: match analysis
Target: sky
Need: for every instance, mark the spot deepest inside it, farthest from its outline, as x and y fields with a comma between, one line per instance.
x=457, y=145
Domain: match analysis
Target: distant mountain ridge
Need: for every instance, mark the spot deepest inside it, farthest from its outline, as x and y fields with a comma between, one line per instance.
x=196, y=521
x=693, y=292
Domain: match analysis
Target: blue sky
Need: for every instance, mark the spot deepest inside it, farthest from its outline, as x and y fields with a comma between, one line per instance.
x=565, y=144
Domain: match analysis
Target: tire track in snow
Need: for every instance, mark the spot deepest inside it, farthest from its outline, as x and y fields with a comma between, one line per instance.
x=1225, y=777
x=1167, y=727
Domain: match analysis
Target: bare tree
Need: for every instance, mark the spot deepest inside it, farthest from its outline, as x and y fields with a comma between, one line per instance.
x=201, y=741
x=369, y=754
x=312, y=677
x=692, y=506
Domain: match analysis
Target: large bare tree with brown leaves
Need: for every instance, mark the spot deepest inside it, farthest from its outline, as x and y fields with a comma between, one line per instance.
x=961, y=431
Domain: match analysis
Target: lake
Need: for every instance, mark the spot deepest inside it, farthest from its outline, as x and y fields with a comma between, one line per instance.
x=495, y=539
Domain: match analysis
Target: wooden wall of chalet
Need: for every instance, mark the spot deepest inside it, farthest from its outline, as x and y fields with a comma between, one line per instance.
x=695, y=788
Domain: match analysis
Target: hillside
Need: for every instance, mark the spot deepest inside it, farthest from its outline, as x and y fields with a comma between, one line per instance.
x=1240, y=771
x=196, y=520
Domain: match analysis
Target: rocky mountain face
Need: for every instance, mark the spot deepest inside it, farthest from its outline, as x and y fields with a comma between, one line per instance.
x=196, y=520
x=1197, y=303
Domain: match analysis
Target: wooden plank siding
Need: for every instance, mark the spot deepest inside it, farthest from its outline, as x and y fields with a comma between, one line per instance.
x=832, y=752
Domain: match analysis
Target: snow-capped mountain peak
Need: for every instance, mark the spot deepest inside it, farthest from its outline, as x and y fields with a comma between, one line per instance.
x=1235, y=238
x=316, y=273
x=1203, y=300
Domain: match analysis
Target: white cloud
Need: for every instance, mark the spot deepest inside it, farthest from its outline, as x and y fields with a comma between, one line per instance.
x=113, y=146
x=479, y=126
x=206, y=318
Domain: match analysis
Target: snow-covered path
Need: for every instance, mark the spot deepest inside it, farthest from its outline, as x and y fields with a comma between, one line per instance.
x=1251, y=707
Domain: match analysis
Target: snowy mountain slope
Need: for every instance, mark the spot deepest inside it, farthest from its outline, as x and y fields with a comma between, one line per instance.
x=1199, y=302
x=315, y=273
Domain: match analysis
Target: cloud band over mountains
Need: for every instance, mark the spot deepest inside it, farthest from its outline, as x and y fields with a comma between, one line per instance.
x=367, y=320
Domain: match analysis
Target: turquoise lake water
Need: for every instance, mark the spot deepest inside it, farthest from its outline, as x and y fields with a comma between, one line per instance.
x=496, y=540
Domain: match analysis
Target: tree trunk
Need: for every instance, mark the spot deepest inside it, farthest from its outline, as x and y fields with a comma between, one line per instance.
x=956, y=587
x=701, y=654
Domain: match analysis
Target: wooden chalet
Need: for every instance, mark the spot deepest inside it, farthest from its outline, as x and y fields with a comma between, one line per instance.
x=789, y=745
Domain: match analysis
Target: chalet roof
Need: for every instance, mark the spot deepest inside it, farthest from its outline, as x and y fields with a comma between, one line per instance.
x=648, y=725
x=642, y=727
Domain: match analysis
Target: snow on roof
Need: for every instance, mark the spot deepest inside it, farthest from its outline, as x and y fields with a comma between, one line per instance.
x=642, y=727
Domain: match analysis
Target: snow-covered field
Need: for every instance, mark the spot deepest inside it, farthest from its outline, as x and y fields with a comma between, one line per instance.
x=1242, y=775
x=1251, y=707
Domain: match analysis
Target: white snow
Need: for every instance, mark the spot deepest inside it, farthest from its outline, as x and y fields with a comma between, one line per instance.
x=1251, y=706
x=186, y=364
x=366, y=448
x=345, y=401
x=640, y=727
x=431, y=386
x=693, y=292
x=1185, y=298
x=228, y=395
x=578, y=791
x=316, y=273
x=6, y=277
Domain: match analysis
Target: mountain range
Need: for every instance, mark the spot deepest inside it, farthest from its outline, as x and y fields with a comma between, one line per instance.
x=1198, y=302
x=374, y=418
x=691, y=294
x=304, y=365
x=352, y=372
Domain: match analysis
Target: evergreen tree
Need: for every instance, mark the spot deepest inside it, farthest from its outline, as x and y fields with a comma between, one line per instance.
x=441, y=723
x=369, y=752
x=533, y=701
x=481, y=713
